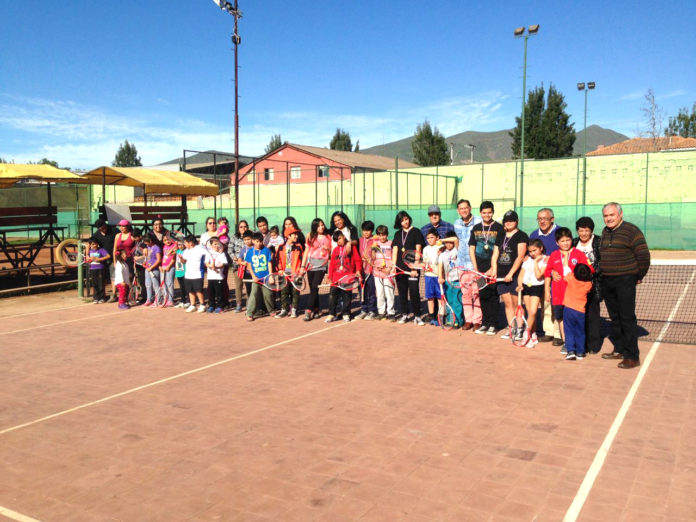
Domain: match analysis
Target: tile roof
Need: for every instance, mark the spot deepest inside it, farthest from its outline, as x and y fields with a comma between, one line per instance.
x=355, y=159
x=637, y=145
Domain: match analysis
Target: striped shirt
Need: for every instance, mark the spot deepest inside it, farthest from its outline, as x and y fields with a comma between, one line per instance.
x=624, y=251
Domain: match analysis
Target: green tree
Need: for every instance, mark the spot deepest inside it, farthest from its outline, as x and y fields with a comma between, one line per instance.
x=3, y=160
x=341, y=141
x=357, y=146
x=46, y=161
x=274, y=144
x=548, y=132
x=429, y=146
x=653, y=117
x=127, y=156
x=683, y=124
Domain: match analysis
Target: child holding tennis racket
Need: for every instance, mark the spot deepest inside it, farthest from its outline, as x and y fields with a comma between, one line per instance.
x=368, y=308
x=97, y=257
x=180, y=272
x=215, y=262
x=259, y=262
x=449, y=278
x=531, y=281
x=344, y=270
x=289, y=262
x=139, y=258
x=381, y=261
x=574, y=302
x=152, y=268
x=315, y=264
x=431, y=252
x=168, y=268
x=191, y=258
x=122, y=278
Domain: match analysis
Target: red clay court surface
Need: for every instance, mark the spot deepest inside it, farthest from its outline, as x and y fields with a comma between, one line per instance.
x=287, y=420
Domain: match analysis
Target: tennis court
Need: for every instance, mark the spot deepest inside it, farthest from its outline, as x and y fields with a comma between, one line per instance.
x=161, y=415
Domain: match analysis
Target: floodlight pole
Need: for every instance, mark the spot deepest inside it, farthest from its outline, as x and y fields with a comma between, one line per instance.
x=533, y=29
x=585, y=87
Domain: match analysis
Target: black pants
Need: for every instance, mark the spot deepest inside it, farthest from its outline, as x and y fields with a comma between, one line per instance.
x=96, y=279
x=339, y=301
x=490, y=306
x=215, y=293
x=620, y=297
x=314, y=278
x=182, y=287
x=140, y=273
x=408, y=291
x=593, y=334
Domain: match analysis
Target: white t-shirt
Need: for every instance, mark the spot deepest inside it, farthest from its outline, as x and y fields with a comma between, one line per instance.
x=587, y=250
x=121, y=273
x=448, y=259
x=205, y=236
x=193, y=257
x=346, y=233
x=529, y=278
x=430, y=258
x=215, y=274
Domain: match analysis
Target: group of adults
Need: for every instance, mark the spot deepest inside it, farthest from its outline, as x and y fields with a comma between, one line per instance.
x=620, y=258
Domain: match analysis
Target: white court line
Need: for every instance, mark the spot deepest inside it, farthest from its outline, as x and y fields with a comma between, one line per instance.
x=166, y=379
x=13, y=515
x=86, y=318
x=598, y=462
x=43, y=311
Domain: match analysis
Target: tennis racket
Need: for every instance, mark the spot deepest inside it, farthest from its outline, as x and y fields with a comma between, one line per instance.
x=473, y=278
x=297, y=281
x=274, y=282
x=161, y=294
x=317, y=259
x=519, y=331
x=348, y=282
x=445, y=314
x=135, y=292
x=176, y=235
x=413, y=260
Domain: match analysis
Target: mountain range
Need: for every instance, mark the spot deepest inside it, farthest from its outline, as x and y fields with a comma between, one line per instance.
x=493, y=146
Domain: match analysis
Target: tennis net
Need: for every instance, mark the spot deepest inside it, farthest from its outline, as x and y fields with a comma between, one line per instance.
x=666, y=303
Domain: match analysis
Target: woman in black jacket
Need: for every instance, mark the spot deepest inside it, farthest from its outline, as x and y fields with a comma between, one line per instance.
x=588, y=243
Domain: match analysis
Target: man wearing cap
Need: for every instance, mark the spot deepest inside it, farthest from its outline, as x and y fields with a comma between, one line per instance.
x=625, y=262
x=462, y=227
x=546, y=233
x=441, y=227
x=105, y=236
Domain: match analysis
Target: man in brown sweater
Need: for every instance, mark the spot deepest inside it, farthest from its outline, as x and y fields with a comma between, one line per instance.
x=625, y=261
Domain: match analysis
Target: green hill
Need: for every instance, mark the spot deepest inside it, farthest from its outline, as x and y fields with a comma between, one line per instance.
x=492, y=146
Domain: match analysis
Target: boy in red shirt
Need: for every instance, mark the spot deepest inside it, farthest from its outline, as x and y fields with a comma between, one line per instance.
x=344, y=264
x=561, y=263
x=579, y=283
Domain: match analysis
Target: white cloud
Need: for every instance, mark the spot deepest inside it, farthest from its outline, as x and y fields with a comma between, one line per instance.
x=82, y=136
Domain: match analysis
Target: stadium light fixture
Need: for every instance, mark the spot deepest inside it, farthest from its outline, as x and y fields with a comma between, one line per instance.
x=472, y=147
x=233, y=9
x=581, y=87
x=519, y=32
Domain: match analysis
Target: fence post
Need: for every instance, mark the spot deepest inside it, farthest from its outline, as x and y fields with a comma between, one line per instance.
x=645, y=210
x=80, y=275
x=287, y=189
x=396, y=179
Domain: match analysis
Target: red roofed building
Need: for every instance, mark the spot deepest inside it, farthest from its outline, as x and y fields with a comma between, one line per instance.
x=302, y=163
x=638, y=145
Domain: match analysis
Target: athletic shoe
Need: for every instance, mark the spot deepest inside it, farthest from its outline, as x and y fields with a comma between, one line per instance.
x=123, y=306
x=563, y=350
x=391, y=318
x=361, y=315
x=218, y=310
x=570, y=356
x=530, y=344
x=467, y=326
x=557, y=341
x=191, y=308
x=506, y=336
x=433, y=322
x=418, y=321
x=180, y=305
x=238, y=309
x=491, y=331
x=346, y=319
x=282, y=314
x=210, y=310
x=370, y=316
x=404, y=319
x=293, y=313
x=545, y=339
x=329, y=319
x=201, y=309
x=382, y=317
x=481, y=330
x=579, y=356
x=307, y=316
x=149, y=303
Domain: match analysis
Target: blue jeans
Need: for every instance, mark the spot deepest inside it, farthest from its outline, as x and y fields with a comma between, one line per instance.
x=152, y=282
x=169, y=284
x=574, y=328
x=369, y=302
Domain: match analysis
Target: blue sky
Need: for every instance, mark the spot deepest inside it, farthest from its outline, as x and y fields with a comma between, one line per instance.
x=78, y=77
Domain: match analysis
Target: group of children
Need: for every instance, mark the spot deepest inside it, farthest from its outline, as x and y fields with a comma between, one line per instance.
x=565, y=277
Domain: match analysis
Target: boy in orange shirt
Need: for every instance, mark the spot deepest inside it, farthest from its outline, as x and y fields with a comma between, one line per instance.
x=574, y=301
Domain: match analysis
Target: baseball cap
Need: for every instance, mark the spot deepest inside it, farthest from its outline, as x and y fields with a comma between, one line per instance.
x=511, y=215
x=434, y=209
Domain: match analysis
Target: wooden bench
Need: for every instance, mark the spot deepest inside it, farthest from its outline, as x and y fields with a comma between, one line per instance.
x=28, y=221
x=174, y=216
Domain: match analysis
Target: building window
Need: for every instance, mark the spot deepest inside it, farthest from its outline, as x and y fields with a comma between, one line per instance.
x=323, y=171
x=268, y=174
x=295, y=172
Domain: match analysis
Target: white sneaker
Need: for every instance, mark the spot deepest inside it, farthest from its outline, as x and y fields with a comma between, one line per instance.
x=191, y=308
x=329, y=319
x=481, y=330
x=418, y=321
x=506, y=335
x=346, y=318
x=361, y=315
x=293, y=313
x=491, y=331
x=180, y=305
x=201, y=309
x=530, y=344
